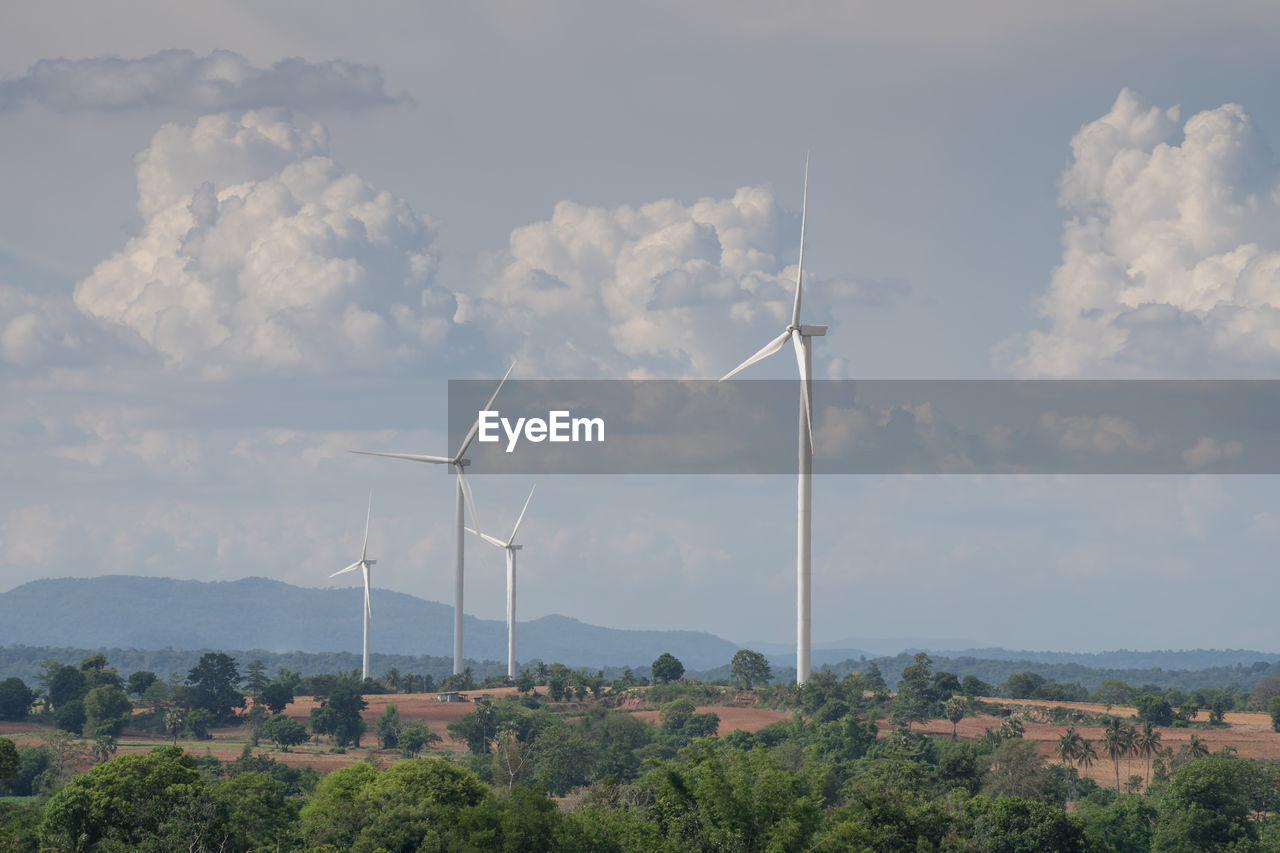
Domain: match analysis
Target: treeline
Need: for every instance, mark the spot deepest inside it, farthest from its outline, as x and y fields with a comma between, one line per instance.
x=826, y=779
x=1240, y=677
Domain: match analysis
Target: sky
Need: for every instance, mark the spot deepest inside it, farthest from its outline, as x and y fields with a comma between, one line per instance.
x=240, y=239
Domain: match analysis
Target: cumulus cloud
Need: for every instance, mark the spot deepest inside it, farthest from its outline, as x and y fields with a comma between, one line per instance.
x=259, y=252
x=1207, y=451
x=1171, y=257
x=47, y=330
x=664, y=289
x=223, y=80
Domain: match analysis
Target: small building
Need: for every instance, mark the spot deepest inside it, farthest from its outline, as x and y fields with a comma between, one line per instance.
x=450, y=696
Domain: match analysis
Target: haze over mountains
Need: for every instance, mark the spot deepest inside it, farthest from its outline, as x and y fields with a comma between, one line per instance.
x=257, y=613
x=128, y=612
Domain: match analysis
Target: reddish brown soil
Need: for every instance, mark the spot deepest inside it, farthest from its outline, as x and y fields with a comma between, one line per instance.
x=731, y=719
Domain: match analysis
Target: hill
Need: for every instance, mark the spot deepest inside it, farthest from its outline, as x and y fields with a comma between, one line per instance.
x=131, y=612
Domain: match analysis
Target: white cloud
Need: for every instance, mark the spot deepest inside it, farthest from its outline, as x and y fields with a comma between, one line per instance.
x=44, y=330
x=259, y=252
x=664, y=289
x=1103, y=434
x=223, y=80
x=1171, y=260
x=1207, y=451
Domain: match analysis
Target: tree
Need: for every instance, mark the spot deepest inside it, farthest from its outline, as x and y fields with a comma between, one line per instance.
x=510, y=758
x=255, y=678
x=749, y=668
x=175, y=720
x=524, y=682
x=213, y=681
x=15, y=700
x=284, y=731
x=915, y=700
x=954, y=709
x=414, y=738
x=1069, y=747
x=1154, y=709
x=139, y=682
x=9, y=762
x=388, y=727
x=346, y=703
x=1273, y=708
x=107, y=710
x=66, y=684
x=1204, y=808
x=972, y=686
x=667, y=668
x=1146, y=744
x=1195, y=748
x=276, y=696
x=1115, y=743
x=1017, y=770
x=1021, y=685
x=875, y=681
x=1265, y=690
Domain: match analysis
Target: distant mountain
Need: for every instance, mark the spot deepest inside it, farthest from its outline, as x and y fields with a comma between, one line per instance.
x=257, y=613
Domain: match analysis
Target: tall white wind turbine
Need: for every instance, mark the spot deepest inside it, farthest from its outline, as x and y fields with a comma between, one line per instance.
x=363, y=563
x=463, y=494
x=511, y=549
x=800, y=336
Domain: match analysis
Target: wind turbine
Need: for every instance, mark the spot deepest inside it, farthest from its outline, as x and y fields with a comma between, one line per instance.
x=463, y=494
x=363, y=563
x=800, y=336
x=511, y=549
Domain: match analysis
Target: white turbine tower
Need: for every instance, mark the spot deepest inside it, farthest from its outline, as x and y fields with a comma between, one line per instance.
x=799, y=336
x=511, y=549
x=463, y=494
x=363, y=563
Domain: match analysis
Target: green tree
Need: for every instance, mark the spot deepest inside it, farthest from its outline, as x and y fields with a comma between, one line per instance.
x=1146, y=744
x=139, y=682
x=1069, y=747
x=15, y=700
x=972, y=686
x=1021, y=685
x=524, y=682
x=10, y=764
x=346, y=703
x=749, y=668
x=875, y=681
x=1273, y=708
x=1195, y=748
x=255, y=679
x=954, y=709
x=388, y=727
x=66, y=684
x=562, y=759
x=1116, y=742
x=276, y=695
x=415, y=737
x=284, y=731
x=107, y=710
x=256, y=810
x=667, y=668
x=213, y=683
x=124, y=801
x=915, y=700
x=1018, y=770
x=1204, y=808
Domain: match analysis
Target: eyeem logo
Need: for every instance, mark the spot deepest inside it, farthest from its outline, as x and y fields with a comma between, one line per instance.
x=559, y=426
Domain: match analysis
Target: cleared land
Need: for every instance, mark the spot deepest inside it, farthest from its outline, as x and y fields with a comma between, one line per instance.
x=1249, y=734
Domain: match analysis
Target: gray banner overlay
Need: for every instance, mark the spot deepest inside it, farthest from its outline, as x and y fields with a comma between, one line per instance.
x=873, y=427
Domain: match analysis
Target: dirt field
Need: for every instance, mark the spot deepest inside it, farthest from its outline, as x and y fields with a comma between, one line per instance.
x=731, y=719
x=1249, y=734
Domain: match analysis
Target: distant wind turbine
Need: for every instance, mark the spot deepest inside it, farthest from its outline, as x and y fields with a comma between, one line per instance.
x=511, y=549
x=464, y=494
x=363, y=563
x=799, y=336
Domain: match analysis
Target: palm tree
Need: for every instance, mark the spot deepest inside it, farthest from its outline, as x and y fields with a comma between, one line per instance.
x=1129, y=741
x=1115, y=743
x=954, y=709
x=1196, y=748
x=1087, y=756
x=1068, y=748
x=1147, y=744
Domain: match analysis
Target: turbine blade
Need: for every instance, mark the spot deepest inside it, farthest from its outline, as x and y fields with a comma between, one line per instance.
x=798, y=339
x=804, y=207
x=412, y=457
x=471, y=501
x=350, y=568
x=765, y=351
x=364, y=551
x=492, y=540
x=471, y=433
x=521, y=518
